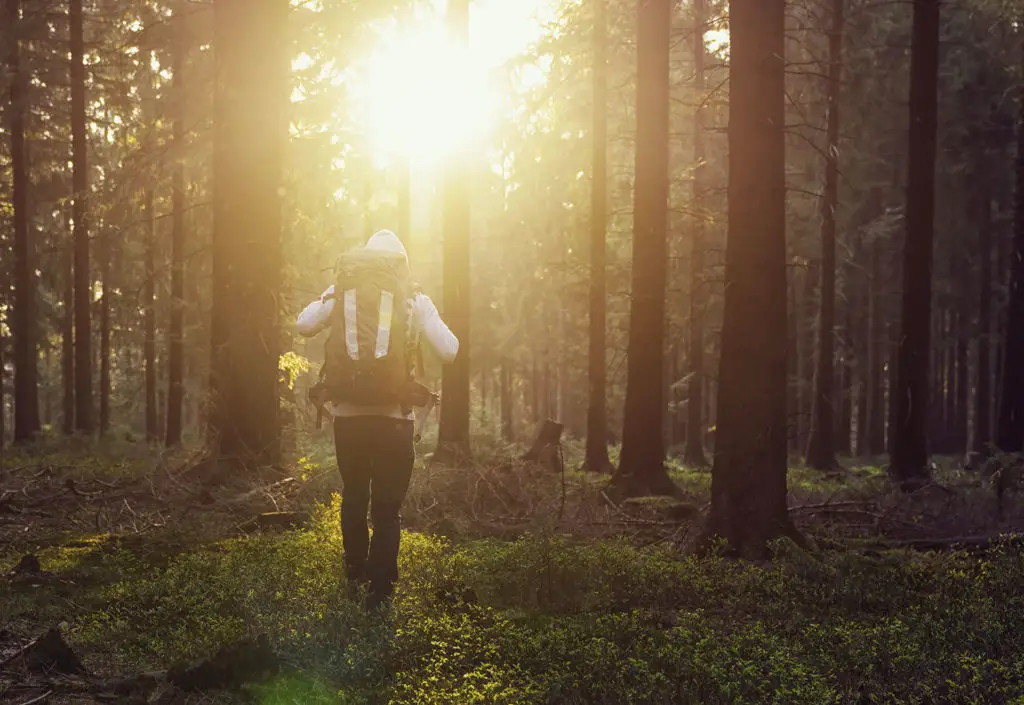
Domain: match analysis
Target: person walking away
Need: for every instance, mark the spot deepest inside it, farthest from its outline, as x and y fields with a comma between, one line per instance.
x=377, y=320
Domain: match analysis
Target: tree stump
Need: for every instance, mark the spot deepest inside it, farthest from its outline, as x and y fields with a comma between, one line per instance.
x=546, y=448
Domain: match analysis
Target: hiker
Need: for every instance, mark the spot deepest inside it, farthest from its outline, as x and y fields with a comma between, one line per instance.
x=367, y=380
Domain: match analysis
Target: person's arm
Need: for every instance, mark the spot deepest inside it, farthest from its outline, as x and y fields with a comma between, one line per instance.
x=434, y=331
x=315, y=317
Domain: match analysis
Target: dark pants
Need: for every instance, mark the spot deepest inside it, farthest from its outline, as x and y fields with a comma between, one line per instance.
x=375, y=457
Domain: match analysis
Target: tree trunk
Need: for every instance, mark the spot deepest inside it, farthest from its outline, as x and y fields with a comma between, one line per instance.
x=806, y=315
x=3, y=403
x=844, y=397
x=149, y=316
x=936, y=395
x=1001, y=303
x=748, y=480
x=1010, y=431
x=821, y=448
x=507, y=424
x=250, y=132
x=694, y=455
x=453, y=441
x=641, y=468
x=794, y=427
x=596, y=458
x=876, y=385
x=962, y=398
x=67, y=354
x=105, y=277
x=26, y=392
x=948, y=343
x=910, y=447
x=176, y=352
x=983, y=391
x=80, y=179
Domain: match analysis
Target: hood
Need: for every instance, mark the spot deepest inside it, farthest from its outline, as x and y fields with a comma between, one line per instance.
x=386, y=241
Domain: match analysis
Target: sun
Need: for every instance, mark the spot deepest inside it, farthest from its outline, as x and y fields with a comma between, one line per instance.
x=422, y=95
x=425, y=96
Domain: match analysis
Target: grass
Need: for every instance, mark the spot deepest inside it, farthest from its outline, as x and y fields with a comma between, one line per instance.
x=557, y=614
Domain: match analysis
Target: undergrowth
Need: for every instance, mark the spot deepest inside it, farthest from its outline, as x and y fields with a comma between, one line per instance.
x=512, y=593
x=549, y=619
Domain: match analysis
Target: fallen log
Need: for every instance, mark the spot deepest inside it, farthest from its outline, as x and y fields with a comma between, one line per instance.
x=978, y=544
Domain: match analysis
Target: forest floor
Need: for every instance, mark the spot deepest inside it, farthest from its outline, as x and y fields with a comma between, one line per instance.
x=132, y=569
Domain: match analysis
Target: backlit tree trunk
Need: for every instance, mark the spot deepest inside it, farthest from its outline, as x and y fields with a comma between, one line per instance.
x=80, y=185
x=176, y=353
x=507, y=422
x=641, y=468
x=105, y=278
x=453, y=434
x=962, y=397
x=597, y=411
x=149, y=316
x=876, y=385
x=1010, y=431
x=67, y=336
x=694, y=454
x=250, y=131
x=910, y=445
x=748, y=481
x=23, y=328
x=821, y=448
x=983, y=390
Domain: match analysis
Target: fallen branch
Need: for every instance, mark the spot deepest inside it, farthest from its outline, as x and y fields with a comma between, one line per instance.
x=826, y=505
x=39, y=698
x=265, y=489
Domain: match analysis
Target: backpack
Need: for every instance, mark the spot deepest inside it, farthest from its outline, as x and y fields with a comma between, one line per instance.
x=368, y=357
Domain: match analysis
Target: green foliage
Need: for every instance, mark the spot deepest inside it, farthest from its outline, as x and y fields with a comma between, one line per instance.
x=551, y=619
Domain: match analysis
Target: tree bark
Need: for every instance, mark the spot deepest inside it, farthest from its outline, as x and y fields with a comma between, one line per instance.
x=844, y=395
x=149, y=316
x=694, y=454
x=876, y=364
x=983, y=391
x=507, y=422
x=105, y=278
x=3, y=403
x=947, y=343
x=453, y=443
x=821, y=448
x=910, y=447
x=806, y=314
x=80, y=185
x=1010, y=431
x=962, y=398
x=26, y=386
x=67, y=355
x=641, y=468
x=596, y=458
x=748, y=481
x=1001, y=304
x=936, y=394
x=795, y=428
x=251, y=101
x=175, y=333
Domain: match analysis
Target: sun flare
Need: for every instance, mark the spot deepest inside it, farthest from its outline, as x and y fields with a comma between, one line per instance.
x=422, y=95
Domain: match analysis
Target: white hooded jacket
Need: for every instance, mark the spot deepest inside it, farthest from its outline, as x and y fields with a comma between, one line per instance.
x=426, y=322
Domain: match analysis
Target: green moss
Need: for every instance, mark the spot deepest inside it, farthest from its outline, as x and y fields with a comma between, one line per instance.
x=551, y=619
